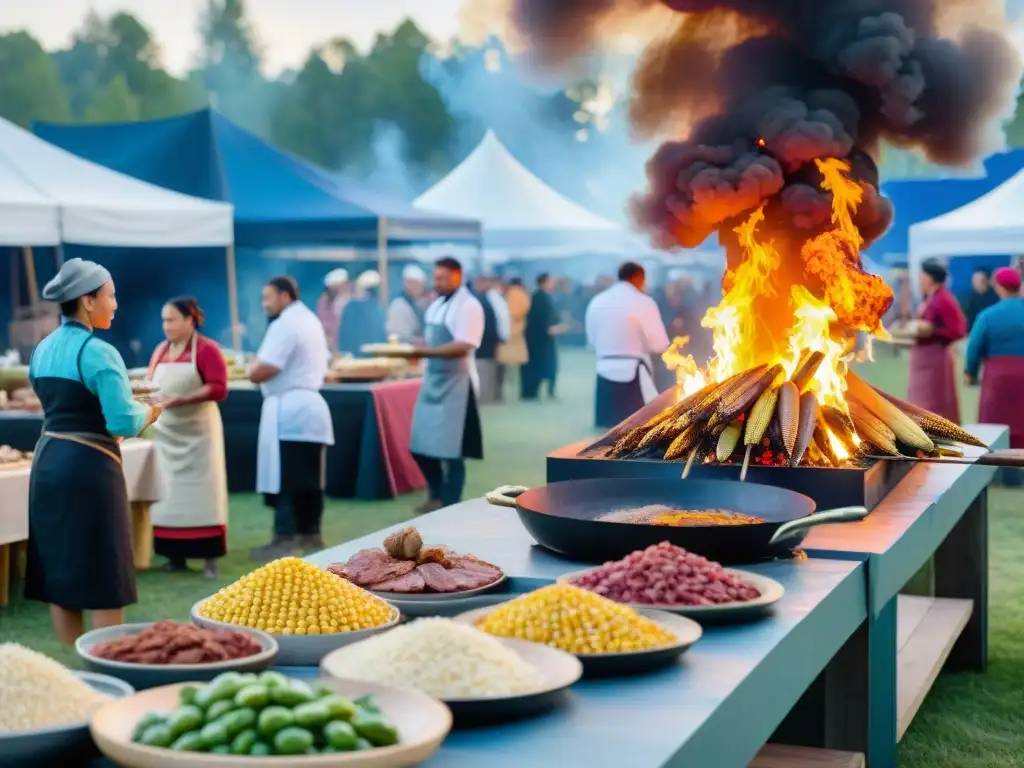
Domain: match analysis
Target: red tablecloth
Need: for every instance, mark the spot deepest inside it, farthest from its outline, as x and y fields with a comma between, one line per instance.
x=394, y=402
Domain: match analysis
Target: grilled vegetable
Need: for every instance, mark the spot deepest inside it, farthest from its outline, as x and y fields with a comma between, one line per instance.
x=872, y=429
x=728, y=440
x=806, y=368
x=760, y=416
x=805, y=430
x=746, y=395
x=935, y=426
x=788, y=414
x=903, y=427
x=685, y=441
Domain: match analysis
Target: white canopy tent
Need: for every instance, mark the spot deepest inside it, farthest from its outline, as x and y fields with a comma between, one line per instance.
x=92, y=205
x=990, y=225
x=49, y=197
x=522, y=217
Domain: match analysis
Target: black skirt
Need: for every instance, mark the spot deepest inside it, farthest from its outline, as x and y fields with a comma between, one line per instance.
x=80, y=543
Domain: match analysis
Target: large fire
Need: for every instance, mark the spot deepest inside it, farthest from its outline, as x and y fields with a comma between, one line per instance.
x=765, y=316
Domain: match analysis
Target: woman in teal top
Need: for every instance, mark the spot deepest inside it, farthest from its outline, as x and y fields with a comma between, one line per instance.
x=79, y=549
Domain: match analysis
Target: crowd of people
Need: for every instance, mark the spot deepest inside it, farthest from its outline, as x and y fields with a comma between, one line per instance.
x=468, y=336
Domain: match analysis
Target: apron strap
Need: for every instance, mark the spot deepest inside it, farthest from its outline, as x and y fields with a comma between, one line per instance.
x=161, y=350
x=646, y=363
x=85, y=442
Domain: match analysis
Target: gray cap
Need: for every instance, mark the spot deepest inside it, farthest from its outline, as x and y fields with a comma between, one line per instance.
x=76, y=278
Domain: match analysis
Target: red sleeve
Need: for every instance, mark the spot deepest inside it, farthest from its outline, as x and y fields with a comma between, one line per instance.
x=212, y=368
x=157, y=356
x=951, y=325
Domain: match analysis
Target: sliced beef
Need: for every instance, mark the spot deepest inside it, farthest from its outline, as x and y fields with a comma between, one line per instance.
x=406, y=584
x=370, y=567
x=466, y=579
x=437, y=578
x=476, y=565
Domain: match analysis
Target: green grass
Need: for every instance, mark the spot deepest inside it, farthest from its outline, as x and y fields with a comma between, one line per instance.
x=968, y=721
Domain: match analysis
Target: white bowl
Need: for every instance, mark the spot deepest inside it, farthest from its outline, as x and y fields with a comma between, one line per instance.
x=303, y=650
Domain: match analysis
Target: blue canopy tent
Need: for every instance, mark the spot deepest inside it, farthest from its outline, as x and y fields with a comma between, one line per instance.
x=280, y=200
x=916, y=200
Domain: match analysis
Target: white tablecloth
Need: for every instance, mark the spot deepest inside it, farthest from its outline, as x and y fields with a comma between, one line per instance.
x=141, y=474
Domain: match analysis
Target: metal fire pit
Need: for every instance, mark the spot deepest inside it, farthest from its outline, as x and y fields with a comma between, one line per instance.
x=828, y=486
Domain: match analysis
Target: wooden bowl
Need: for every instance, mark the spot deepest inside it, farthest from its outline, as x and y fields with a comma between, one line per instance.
x=142, y=676
x=560, y=670
x=64, y=744
x=422, y=723
x=303, y=650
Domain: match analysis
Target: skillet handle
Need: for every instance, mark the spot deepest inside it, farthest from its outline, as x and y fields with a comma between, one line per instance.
x=841, y=515
x=505, y=496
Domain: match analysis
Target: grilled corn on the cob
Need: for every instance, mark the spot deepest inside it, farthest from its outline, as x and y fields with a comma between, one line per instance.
x=728, y=440
x=841, y=425
x=806, y=368
x=935, y=426
x=872, y=429
x=824, y=445
x=742, y=399
x=904, y=428
x=684, y=442
x=760, y=416
x=788, y=413
x=805, y=430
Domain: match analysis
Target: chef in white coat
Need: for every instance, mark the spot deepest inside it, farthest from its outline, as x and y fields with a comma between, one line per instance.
x=446, y=423
x=405, y=313
x=625, y=329
x=295, y=423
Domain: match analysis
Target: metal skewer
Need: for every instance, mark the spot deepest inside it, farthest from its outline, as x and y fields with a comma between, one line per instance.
x=746, y=463
x=689, y=463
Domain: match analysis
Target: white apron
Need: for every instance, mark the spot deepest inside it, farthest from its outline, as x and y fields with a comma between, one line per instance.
x=190, y=448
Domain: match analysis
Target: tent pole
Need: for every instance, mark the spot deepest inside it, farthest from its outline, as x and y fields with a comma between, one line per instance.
x=33, y=283
x=15, y=286
x=58, y=254
x=236, y=326
x=382, y=258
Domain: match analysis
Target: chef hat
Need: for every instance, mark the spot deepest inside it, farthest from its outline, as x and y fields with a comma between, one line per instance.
x=76, y=278
x=1008, y=278
x=368, y=279
x=336, y=277
x=414, y=272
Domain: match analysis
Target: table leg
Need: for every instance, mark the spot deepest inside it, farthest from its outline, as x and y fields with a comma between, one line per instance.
x=961, y=571
x=5, y=574
x=142, y=535
x=882, y=661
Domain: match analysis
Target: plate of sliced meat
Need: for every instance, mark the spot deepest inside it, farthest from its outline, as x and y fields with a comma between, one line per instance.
x=405, y=571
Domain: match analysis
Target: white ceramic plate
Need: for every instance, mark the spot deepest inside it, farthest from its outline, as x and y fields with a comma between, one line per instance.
x=771, y=592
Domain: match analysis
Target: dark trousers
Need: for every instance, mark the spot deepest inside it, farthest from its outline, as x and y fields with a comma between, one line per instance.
x=446, y=478
x=299, y=507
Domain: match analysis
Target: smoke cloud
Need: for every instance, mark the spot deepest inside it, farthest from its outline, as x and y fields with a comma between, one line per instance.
x=753, y=91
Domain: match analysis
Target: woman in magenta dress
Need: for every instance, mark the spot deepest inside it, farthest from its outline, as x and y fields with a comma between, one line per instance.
x=190, y=520
x=941, y=323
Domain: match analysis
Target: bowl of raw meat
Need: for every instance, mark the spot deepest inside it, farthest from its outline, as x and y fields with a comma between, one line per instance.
x=414, y=577
x=168, y=652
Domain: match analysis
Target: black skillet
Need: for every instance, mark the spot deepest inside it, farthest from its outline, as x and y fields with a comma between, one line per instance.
x=561, y=517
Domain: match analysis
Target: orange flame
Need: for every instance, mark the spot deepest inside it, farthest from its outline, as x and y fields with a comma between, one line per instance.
x=767, y=315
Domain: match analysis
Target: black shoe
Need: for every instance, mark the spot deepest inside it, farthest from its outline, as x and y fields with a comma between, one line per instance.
x=281, y=546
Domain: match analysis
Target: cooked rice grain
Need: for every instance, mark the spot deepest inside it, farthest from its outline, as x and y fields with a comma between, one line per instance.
x=442, y=659
x=37, y=692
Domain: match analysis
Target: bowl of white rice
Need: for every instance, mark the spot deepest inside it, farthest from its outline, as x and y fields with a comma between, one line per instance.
x=45, y=708
x=482, y=679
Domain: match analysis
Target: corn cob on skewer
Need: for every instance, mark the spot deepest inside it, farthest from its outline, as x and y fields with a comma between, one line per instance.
x=684, y=442
x=873, y=430
x=788, y=414
x=805, y=430
x=760, y=416
x=728, y=440
x=743, y=398
x=935, y=426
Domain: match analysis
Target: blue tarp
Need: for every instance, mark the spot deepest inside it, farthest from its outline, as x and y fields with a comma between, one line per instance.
x=916, y=200
x=279, y=199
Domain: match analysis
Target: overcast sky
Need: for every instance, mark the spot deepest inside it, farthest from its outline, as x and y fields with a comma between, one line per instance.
x=287, y=29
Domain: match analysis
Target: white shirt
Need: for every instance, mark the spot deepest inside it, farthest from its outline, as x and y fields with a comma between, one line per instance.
x=624, y=322
x=403, y=321
x=296, y=345
x=501, y=314
x=464, y=318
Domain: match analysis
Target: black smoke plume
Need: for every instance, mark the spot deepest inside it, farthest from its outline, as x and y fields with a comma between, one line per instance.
x=753, y=91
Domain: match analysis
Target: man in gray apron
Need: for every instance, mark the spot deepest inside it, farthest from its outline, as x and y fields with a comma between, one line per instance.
x=446, y=423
